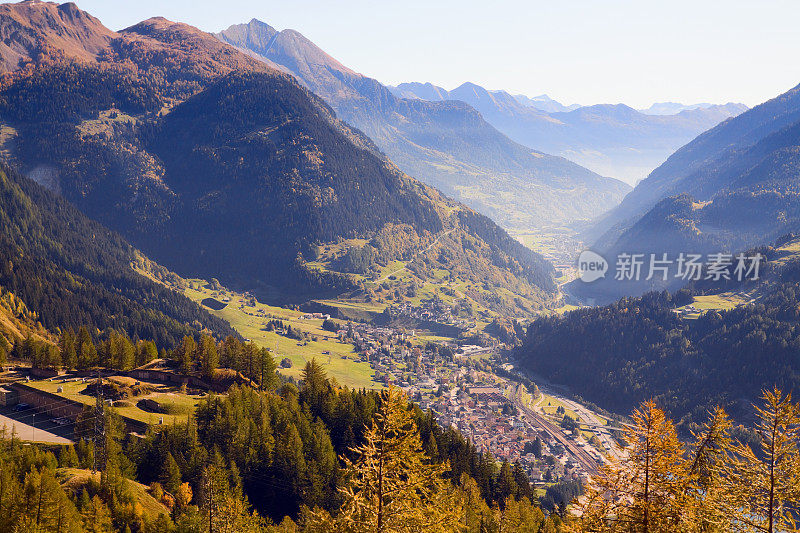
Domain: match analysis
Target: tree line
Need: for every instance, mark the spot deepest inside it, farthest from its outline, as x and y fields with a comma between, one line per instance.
x=638, y=348
x=201, y=355
x=712, y=483
x=285, y=458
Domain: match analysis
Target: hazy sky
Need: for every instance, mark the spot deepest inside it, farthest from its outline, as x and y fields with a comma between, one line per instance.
x=577, y=51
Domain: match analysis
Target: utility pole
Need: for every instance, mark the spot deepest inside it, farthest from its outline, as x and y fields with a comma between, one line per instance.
x=208, y=483
x=99, y=429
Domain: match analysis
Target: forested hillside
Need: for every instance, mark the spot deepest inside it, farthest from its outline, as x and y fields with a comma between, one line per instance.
x=217, y=165
x=639, y=348
x=70, y=271
x=267, y=452
x=445, y=144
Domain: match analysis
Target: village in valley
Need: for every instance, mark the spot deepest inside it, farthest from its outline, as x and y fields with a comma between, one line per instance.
x=463, y=384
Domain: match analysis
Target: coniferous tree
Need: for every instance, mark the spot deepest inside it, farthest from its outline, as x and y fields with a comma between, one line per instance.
x=209, y=356
x=69, y=354
x=268, y=379
x=763, y=486
x=45, y=506
x=224, y=507
x=10, y=495
x=170, y=474
x=185, y=354
x=391, y=485
x=5, y=349
x=642, y=492
x=706, y=498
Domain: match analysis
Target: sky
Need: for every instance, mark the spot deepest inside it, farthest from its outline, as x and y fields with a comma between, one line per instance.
x=577, y=51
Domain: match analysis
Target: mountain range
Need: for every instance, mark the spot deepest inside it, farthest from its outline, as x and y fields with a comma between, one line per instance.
x=448, y=144
x=672, y=108
x=219, y=165
x=544, y=103
x=733, y=187
x=612, y=140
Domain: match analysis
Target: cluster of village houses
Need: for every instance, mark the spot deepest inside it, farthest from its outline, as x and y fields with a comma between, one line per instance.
x=433, y=310
x=445, y=379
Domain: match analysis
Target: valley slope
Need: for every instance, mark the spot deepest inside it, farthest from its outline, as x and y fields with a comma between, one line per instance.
x=218, y=165
x=60, y=271
x=613, y=140
x=733, y=187
x=713, y=343
x=445, y=144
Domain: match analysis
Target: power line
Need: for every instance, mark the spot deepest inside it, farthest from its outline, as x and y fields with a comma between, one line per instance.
x=99, y=429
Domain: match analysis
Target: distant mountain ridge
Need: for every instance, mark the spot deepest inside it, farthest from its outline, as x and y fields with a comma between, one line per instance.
x=434, y=93
x=613, y=140
x=734, y=187
x=445, y=144
x=545, y=103
x=672, y=108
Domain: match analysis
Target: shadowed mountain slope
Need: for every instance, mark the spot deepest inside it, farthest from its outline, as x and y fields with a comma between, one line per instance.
x=444, y=144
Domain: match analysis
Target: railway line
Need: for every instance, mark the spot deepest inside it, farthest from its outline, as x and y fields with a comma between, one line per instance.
x=588, y=462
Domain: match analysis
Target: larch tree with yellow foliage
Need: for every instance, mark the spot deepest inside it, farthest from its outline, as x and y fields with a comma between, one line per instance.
x=392, y=485
x=643, y=491
x=764, y=485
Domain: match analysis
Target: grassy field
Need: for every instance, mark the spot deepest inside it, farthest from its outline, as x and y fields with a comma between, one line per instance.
x=179, y=406
x=549, y=405
x=565, y=308
x=718, y=302
x=558, y=245
x=339, y=359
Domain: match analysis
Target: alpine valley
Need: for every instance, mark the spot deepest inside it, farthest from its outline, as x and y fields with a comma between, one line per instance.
x=246, y=288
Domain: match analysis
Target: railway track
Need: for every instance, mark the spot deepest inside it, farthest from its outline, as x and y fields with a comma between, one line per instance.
x=588, y=462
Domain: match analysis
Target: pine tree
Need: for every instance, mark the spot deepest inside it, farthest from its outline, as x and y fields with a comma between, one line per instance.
x=5, y=349
x=126, y=353
x=87, y=353
x=643, y=492
x=45, y=505
x=69, y=354
x=10, y=495
x=705, y=492
x=185, y=354
x=146, y=351
x=392, y=486
x=268, y=379
x=763, y=487
x=170, y=477
x=477, y=514
x=87, y=356
x=224, y=507
x=68, y=458
x=96, y=515
x=209, y=356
